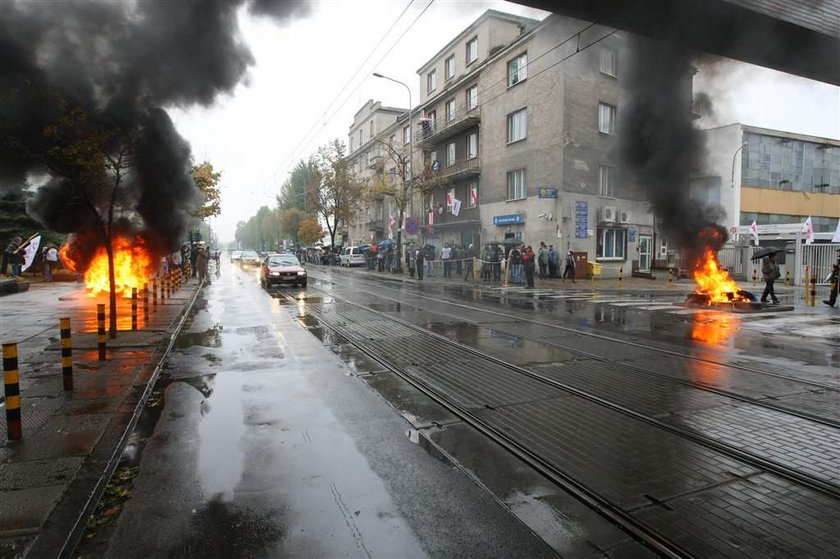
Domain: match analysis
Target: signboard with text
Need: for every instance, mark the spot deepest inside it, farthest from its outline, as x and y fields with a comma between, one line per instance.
x=547, y=192
x=511, y=219
x=581, y=219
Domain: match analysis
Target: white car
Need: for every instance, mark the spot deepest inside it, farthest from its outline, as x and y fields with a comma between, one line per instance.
x=352, y=256
x=249, y=258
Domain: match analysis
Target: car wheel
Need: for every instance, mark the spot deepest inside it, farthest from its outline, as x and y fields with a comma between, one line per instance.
x=303, y=283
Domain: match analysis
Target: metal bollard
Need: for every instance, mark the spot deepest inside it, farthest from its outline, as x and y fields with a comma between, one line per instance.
x=66, y=354
x=813, y=290
x=787, y=278
x=145, y=293
x=154, y=294
x=11, y=386
x=134, y=308
x=100, y=330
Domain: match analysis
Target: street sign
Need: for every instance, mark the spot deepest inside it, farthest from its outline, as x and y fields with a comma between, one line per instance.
x=511, y=219
x=547, y=192
x=581, y=219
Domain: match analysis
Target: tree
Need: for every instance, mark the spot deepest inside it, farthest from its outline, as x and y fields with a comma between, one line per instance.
x=310, y=231
x=339, y=194
x=207, y=181
x=14, y=221
x=290, y=221
x=295, y=192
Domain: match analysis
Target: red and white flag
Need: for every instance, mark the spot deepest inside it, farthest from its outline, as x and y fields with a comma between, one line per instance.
x=431, y=218
x=808, y=229
x=754, y=232
x=450, y=197
x=473, y=196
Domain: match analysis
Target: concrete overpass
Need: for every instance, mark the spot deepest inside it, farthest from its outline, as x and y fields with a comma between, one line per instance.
x=800, y=37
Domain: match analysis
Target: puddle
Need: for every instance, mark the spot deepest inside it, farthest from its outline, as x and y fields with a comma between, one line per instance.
x=308, y=320
x=212, y=337
x=327, y=336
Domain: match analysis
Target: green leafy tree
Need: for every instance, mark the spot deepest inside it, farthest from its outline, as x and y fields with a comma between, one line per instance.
x=290, y=220
x=295, y=192
x=207, y=181
x=339, y=194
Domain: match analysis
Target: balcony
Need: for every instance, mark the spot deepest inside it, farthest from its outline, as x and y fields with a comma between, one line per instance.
x=430, y=133
x=461, y=169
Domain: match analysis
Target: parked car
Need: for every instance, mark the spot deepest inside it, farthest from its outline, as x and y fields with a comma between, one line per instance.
x=249, y=258
x=278, y=269
x=352, y=256
x=235, y=256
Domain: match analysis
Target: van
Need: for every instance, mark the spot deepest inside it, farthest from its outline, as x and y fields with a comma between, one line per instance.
x=352, y=256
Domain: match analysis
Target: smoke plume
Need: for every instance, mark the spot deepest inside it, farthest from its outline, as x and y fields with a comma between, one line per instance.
x=660, y=146
x=118, y=63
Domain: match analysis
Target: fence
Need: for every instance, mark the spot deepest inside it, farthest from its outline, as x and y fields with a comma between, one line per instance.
x=820, y=258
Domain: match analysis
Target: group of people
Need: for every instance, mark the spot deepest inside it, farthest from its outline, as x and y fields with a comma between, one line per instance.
x=198, y=256
x=14, y=257
x=524, y=263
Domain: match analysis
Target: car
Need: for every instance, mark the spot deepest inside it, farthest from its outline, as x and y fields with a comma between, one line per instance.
x=249, y=258
x=282, y=268
x=352, y=256
x=235, y=256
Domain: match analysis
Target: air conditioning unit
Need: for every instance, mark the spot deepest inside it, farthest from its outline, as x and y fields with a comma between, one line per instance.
x=607, y=214
x=624, y=217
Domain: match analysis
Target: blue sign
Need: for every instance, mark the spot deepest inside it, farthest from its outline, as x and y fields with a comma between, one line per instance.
x=547, y=192
x=511, y=219
x=631, y=233
x=581, y=219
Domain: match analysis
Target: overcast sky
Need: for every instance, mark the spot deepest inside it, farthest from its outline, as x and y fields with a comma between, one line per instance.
x=286, y=109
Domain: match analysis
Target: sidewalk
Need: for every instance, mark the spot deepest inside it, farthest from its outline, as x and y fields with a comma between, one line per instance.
x=51, y=479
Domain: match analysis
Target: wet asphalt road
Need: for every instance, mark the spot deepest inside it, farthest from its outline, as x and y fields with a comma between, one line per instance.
x=259, y=442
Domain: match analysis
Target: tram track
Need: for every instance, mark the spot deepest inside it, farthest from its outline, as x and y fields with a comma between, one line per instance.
x=766, y=403
x=662, y=545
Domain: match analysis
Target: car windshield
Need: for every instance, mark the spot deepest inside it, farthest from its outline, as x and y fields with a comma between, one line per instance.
x=249, y=254
x=283, y=260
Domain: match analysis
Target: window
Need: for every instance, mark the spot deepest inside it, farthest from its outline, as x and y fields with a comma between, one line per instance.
x=449, y=67
x=432, y=118
x=406, y=134
x=516, y=184
x=472, y=50
x=450, y=110
x=372, y=133
x=611, y=242
x=432, y=159
x=472, y=145
x=450, y=154
x=472, y=97
x=606, y=182
x=606, y=118
x=518, y=69
x=609, y=61
x=472, y=195
x=517, y=125
x=431, y=81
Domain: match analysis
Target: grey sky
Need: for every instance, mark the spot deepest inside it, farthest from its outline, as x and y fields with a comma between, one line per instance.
x=255, y=135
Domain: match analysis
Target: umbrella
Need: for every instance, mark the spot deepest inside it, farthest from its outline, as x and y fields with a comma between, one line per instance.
x=761, y=253
x=386, y=242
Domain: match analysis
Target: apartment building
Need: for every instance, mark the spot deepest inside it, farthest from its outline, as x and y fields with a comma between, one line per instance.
x=374, y=128
x=771, y=177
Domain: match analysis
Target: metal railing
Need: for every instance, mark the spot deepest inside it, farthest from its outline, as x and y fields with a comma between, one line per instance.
x=427, y=129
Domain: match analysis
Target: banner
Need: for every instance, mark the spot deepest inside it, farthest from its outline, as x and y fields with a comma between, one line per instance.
x=809, y=231
x=30, y=251
x=456, y=207
x=754, y=232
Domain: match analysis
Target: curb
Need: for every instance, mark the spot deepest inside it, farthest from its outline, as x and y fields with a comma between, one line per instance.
x=72, y=538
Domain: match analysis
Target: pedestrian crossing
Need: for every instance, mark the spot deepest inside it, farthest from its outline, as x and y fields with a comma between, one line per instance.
x=808, y=323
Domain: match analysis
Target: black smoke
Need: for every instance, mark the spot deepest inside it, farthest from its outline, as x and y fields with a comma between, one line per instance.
x=119, y=63
x=660, y=146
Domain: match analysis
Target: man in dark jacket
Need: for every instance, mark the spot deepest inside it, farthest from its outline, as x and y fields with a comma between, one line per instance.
x=569, y=271
x=553, y=259
x=770, y=273
x=419, y=258
x=528, y=258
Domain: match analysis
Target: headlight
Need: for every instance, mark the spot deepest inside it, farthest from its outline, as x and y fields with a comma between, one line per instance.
x=301, y=273
x=275, y=273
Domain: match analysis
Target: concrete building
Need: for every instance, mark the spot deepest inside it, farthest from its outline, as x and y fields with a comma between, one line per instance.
x=772, y=177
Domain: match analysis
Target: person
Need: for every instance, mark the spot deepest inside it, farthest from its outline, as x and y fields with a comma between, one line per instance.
x=202, y=260
x=496, y=258
x=569, y=270
x=528, y=264
x=430, y=260
x=50, y=261
x=834, y=280
x=380, y=259
x=8, y=254
x=409, y=259
x=469, y=271
x=517, y=274
x=445, y=255
x=542, y=259
x=185, y=258
x=370, y=257
x=419, y=258
x=193, y=259
x=553, y=258
x=770, y=273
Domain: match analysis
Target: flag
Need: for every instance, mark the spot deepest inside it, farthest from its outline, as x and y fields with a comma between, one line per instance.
x=431, y=218
x=391, y=221
x=808, y=229
x=456, y=207
x=754, y=232
x=474, y=195
x=836, y=237
x=29, y=252
x=450, y=197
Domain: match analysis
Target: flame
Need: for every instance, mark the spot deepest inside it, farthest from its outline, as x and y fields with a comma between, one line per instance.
x=132, y=266
x=713, y=327
x=714, y=281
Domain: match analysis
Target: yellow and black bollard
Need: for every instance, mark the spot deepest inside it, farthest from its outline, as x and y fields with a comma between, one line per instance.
x=670, y=278
x=813, y=290
x=754, y=276
x=66, y=354
x=134, y=308
x=100, y=330
x=787, y=278
x=620, y=276
x=11, y=386
x=154, y=294
x=145, y=293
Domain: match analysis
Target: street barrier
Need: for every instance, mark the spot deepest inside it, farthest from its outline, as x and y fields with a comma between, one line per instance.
x=813, y=290
x=787, y=278
x=145, y=303
x=154, y=294
x=670, y=278
x=754, y=276
x=66, y=354
x=100, y=330
x=134, y=308
x=620, y=276
x=11, y=387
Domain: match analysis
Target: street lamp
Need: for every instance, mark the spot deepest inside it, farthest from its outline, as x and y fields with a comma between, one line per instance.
x=732, y=180
x=410, y=162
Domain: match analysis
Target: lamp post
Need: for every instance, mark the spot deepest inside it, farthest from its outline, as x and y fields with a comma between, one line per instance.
x=732, y=179
x=410, y=167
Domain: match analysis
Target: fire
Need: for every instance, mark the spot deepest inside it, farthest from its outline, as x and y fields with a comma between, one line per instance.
x=133, y=264
x=714, y=281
